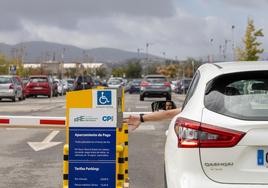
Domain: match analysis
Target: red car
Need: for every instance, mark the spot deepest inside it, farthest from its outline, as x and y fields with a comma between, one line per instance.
x=39, y=85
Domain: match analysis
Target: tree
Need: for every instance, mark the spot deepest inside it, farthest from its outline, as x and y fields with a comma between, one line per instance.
x=133, y=69
x=101, y=72
x=251, y=48
x=118, y=72
x=4, y=65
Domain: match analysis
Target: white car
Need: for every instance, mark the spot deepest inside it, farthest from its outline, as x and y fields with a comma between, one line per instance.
x=220, y=139
x=173, y=85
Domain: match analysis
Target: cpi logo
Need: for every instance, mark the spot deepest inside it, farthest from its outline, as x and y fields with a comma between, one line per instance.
x=107, y=118
x=104, y=97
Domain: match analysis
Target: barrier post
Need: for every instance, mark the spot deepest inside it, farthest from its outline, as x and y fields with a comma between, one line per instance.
x=65, y=165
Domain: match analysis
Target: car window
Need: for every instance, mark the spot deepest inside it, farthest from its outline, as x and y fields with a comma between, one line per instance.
x=192, y=88
x=38, y=80
x=5, y=80
x=156, y=79
x=115, y=82
x=84, y=79
x=241, y=95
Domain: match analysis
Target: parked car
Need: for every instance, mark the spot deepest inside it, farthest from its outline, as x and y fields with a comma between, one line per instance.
x=219, y=140
x=10, y=88
x=40, y=85
x=134, y=86
x=70, y=84
x=173, y=85
x=83, y=82
x=182, y=86
x=115, y=83
x=61, y=90
x=155, y=86
x=97, y=82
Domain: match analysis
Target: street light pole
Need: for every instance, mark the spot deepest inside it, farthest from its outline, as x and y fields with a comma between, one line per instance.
x=211, y=50
x=233, y=43
x=147, y=53
x=139, y=51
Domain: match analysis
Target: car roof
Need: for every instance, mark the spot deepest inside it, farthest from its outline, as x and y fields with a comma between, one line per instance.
x=212, y=70
x=33, y=76
x=155, y=75
x=241, y=66
x=7, y=76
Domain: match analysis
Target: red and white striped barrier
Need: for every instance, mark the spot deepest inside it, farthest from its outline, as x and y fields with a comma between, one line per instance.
x=40, y=121
x=31, y=122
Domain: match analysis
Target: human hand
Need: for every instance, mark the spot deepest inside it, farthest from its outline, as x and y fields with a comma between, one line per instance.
x=133, y=122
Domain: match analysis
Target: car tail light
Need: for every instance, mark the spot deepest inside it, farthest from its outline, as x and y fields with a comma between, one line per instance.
x=167, y=84
x=144, y=84
x=11, y=86
x=192, y=134
x=46, y=85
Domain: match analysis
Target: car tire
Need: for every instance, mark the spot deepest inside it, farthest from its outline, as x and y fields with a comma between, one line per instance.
x=141, y=98
x=13, y=99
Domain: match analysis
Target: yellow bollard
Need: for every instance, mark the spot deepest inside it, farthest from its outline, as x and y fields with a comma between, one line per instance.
x=120, y=168
x=65, y=165
x=125, y=129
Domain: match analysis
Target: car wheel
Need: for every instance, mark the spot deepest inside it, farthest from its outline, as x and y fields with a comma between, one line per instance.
x=141, y=98
x=13, y=99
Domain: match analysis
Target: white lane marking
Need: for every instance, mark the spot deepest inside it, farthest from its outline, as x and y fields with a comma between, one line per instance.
x=45, y=144
x=51, y=136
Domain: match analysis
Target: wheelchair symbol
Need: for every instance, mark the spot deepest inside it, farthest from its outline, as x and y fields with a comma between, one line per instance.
x=103, y=99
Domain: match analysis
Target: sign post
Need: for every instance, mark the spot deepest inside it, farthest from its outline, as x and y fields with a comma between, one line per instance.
x=92, y=119
x=12, y=69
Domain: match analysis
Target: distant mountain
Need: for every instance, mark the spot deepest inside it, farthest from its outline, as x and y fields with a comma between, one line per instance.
x=37, y=51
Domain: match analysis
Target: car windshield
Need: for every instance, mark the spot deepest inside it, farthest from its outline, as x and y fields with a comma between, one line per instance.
x=156, y=80
x=136, y=81
x=115, y=82
x=84, y=79
x=70, y=81
x=240, y=95
x=5, y=80
x=38, y=80
x=186, y=82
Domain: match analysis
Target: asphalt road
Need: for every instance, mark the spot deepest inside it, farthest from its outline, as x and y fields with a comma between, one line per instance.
x=22, y=167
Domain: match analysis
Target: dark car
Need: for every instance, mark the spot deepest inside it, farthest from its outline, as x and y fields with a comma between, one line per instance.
x=155, y=86
x=134, y=86
x=83, y=82
x=183, y=85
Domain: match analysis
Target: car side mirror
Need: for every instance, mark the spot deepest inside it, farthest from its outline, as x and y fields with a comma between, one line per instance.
x=163, y=105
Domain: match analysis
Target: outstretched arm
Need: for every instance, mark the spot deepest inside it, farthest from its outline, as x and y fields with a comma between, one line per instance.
x=134, y=121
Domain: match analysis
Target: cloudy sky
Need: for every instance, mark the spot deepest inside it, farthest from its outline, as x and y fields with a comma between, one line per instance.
x=182, y=28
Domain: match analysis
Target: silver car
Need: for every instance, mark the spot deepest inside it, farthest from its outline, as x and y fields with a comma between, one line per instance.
x=10, y=88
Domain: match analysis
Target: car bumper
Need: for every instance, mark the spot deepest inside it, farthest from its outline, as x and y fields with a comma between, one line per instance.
x=38, y=92
x=8, y=93
x=155, y=93
x=183, y=168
